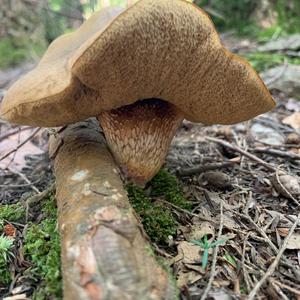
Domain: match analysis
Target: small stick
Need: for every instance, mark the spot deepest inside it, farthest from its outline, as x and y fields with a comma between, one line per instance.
x=273, y=266
x=278, y=290
x=186, y=211
x=279, y=153
x=287, y=287
x=24, y=177
x=10, y=133
x=20, y=145
x=202, y=169
x=259, y=230
x=287, y=192
x=243, y=152
x=215, y=256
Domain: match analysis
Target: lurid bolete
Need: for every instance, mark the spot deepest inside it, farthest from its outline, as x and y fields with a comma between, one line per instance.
x=140, y=71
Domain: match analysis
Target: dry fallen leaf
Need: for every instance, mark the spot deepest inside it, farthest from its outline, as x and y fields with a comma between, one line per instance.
x=293, y=120
x=198, y=231
x=187, y=278
x=294, y=241
x=9, y=230
x=188, y=253
x=284, y=183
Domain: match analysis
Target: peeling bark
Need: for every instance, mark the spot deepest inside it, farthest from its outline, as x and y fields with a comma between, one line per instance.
x=104, y=253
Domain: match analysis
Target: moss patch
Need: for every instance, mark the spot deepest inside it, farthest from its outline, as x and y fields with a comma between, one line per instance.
x=11, y=212
x=42, y=247
x=157, y=219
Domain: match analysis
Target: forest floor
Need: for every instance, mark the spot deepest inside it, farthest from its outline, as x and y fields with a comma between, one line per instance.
x=239, y=235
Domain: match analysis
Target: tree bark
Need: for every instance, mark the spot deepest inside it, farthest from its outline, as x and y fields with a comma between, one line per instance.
x=104, y=252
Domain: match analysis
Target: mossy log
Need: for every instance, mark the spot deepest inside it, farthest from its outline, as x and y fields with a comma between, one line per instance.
x=104, y=253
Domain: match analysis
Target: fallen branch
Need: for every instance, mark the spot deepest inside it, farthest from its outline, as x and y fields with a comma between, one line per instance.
x=104, y=254
x=273, y=266
x=243, y=152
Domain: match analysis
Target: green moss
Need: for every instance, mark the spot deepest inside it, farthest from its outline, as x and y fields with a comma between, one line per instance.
x=165, y=185
x=42, y=247
x=12, y=212
x=157, y=219
x=5, y=277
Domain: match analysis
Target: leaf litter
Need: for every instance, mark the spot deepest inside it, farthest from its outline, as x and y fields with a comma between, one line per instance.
x=259, y=194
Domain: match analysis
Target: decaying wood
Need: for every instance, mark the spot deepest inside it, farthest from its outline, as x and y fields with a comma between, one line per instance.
x=104, y=253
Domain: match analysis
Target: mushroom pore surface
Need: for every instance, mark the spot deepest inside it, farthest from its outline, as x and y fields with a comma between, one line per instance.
x=139, y=136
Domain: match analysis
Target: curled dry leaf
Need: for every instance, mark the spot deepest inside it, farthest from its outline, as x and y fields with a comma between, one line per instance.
x=188, y=253
x=284, y=183
x=293, y=138
x=9, y=230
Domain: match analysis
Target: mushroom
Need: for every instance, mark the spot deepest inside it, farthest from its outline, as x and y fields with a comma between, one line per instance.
x=140, y=71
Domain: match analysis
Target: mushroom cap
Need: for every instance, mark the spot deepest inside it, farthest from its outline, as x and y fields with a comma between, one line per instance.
x=163, y=49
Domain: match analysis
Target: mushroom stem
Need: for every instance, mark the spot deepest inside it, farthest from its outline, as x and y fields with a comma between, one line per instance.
x=139, y=136
x=104, y=253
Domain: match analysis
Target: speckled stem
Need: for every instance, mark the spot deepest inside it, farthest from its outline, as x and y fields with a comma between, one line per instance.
x=104, y=253
x=139, y=136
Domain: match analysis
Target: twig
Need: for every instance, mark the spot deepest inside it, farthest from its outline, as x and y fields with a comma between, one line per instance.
x=273, y=266
x=258, y=229
x=24, y=177
x=283, y=187
x=201, y=169
x=243, y=152
x=30, y=201
x=14, y=186
x=278, y=290
x=243, y=268
x=10, y=133
x=21, y=144
x=186, y=211
x=215, y=256
x=284, y=286
x=279, y=153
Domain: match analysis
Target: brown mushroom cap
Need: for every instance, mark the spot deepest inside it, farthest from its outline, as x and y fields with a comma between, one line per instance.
x=164, y=49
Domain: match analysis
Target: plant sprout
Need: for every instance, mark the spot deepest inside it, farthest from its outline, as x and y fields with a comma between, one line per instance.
x=206, y=245
x=5, y=246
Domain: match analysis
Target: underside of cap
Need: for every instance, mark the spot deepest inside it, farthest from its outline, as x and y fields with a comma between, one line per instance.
x=164, y=49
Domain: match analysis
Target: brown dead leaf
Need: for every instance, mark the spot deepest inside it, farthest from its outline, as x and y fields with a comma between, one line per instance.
x=293, y=120
x=284, y=183
x=187, y=278
x=198, y=231
x=188, y=253
x=9, y=230
x=293, y=138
